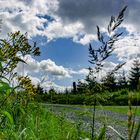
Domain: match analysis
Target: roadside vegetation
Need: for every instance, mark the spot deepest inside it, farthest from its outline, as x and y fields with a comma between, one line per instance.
x=24, y=117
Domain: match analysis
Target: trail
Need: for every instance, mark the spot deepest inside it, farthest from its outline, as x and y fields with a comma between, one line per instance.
x=82, y=116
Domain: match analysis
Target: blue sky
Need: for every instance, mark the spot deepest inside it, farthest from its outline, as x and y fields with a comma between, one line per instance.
x=63, y=30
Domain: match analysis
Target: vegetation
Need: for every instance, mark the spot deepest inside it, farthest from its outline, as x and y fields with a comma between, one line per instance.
x=134, y=75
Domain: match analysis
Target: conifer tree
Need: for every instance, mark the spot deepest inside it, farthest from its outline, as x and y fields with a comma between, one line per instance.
x=74, y=88
x=122, y=81
x=109, y=82
x=82, y=88
x=134, y=74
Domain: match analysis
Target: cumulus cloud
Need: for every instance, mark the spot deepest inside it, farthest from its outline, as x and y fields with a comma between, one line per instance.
x=45, y=72
x=57, y=29
x=128, y=47
x=44, y=66
x=51, y=67
x=23, y=15
x=31, y=66
x=65, y=19
x=40, y=72
x=49, y=85
x=70, y=19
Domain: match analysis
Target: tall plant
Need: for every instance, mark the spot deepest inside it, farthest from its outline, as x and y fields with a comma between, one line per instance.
x=100, y=53
x=11, y=50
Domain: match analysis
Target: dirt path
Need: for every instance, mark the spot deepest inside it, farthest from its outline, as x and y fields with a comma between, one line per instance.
x=83, y=118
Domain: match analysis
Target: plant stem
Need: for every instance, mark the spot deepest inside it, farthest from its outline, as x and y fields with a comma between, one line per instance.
x=93, y=119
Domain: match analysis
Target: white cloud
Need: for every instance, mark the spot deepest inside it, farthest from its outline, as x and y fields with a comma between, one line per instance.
x=69, y=19
x=128, y=47
x=57, y=29
x=83, y=72
x=35, y=80
x=50, y=66
x=84, y=39
x=22, y=15
x=45, y=66
x=31, y=66
x=49, y=85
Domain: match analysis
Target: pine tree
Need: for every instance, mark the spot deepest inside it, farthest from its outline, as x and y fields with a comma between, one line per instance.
x=92, y=83
x=122, y=82
x=82, y=88
x=74, y=88
x=40, y=90
x=134, y=74
x=109, y=82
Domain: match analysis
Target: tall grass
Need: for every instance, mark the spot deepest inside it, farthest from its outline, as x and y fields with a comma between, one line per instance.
x=35, y=122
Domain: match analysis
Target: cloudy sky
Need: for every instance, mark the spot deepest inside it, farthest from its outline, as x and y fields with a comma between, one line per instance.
x=63, y=29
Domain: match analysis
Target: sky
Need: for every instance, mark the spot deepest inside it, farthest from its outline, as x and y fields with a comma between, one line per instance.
x=63, y=30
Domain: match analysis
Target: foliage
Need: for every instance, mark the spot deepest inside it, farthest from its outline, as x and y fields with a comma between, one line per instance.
x=12, y=108
x=74, y=87
x=82, y=88
x=122, y=81
x=134, y=74
x=109, y=82
x=27, y=89
x=119, y=97
x=107, y=46
x=10, y=50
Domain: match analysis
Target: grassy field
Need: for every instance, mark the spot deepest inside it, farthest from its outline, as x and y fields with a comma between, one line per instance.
x=117, y=109
x=120, y=109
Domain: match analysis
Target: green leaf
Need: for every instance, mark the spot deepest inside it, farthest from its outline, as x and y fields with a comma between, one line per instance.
x=137, y=132
x=8, y=91
x=22, y=110
x=4, y=86
x=1, y=68
x=9, y=116
x=102, y=133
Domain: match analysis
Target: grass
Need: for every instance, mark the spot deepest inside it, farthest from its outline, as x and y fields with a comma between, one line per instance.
x=37, y=123
x=119, y=109
x=116, y=109
x=101, y=118
x=43, y=124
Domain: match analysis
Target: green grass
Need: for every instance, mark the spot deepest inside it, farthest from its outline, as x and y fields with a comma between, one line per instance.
x=37, y=123
x=101, y=118
x=120, y=109
x=117, y=109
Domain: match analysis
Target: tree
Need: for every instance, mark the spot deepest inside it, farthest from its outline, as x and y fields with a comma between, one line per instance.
x=82, y=88
x=109, y=82
x=74, y=87
x=134, y=74
x=39, y=90
x=92, y=84
x=122, y=82
x=11, y=50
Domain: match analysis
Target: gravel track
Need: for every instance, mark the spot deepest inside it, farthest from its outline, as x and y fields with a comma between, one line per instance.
x=81, y=117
